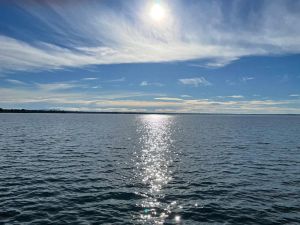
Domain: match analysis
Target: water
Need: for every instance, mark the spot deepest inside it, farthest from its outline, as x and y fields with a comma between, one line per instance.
x=149, y=169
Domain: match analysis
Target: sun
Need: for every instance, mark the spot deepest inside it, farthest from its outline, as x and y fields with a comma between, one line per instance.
x=157, y=12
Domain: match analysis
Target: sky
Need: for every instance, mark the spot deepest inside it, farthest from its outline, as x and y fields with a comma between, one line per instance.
x=184, y=56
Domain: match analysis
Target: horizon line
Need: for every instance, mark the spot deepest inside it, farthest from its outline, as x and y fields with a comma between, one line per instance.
x=58, y=111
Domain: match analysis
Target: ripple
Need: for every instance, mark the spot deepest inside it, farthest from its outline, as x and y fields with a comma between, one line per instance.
x=149, y=169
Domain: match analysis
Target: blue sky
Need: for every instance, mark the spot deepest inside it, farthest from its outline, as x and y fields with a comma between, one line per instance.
x=195, y=56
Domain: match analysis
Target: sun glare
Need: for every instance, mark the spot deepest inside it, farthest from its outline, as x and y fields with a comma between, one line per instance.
x=157, y=12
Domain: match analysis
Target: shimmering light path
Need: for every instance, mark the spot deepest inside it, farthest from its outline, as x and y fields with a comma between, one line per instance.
x=153, y=167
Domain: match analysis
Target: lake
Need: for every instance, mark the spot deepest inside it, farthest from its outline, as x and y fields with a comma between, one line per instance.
x=149, y=169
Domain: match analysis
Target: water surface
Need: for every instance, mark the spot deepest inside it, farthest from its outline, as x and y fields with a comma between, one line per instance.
x=149, y=169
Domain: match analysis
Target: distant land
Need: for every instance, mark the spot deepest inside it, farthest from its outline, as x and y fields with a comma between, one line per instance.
x=115, y=112
x=81, y=112
x=66, y=111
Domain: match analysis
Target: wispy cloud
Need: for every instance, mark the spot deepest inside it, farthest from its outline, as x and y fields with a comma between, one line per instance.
x=196, y=81
x=122, y=79
x=185, y=96
x=97, y=34
x=245, y=79
x=294, y=95
x=146, y=83
x=231, y=96
x=57, y=86
x=90, y=78
x=46, y=95
x=169, y=99
x=235, y=96
x=16, y=82
x=214, y=63
x=121, y=102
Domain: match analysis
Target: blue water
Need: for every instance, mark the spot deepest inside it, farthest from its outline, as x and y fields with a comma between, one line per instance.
x=149, y=169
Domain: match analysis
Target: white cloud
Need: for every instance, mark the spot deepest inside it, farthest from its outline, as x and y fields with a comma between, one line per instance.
x=294, y=95
x=57, y=86
x=185, y=96
x=196, y=81
x=192, y=31
x=146, y=83
x=102, y=101
x=16, y=82
x=122, y=79
x=245, y=79
x=231, y=96
x=46, y=95
x=169, y=99
x=90, y=78
x=235, y=96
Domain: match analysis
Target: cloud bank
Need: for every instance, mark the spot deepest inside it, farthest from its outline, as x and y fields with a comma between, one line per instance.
x=44, y=97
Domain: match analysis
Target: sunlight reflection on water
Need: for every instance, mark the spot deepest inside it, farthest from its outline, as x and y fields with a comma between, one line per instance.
x=153, y=166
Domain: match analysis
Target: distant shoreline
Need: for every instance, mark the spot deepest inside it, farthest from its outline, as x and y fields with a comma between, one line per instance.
x=114, y=112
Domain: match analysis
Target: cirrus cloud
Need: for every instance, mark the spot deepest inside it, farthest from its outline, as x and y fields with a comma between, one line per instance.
x=195, y=81
x=95, y=33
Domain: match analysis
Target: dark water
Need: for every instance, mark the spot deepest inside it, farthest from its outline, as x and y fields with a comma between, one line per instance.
x=149, y=169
